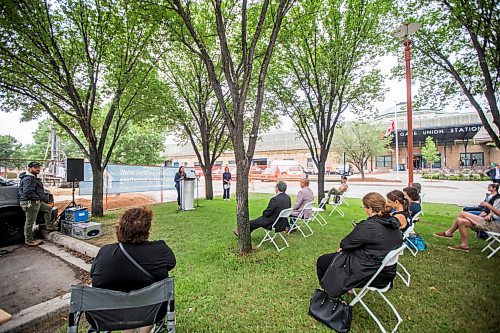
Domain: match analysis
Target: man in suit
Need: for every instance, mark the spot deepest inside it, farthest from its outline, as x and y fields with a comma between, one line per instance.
x=494, y=173
x=277, y=203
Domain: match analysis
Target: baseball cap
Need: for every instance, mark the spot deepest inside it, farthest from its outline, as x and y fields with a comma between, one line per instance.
x=34, y=164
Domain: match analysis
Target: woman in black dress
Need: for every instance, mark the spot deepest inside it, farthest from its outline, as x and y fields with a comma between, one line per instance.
x=362, y=251
x=180, y=175
x=399, y=204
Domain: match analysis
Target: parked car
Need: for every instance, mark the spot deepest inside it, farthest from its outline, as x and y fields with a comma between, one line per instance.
x=6, y=182
x=342, y=169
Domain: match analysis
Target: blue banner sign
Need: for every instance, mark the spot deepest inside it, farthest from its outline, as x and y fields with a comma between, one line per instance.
x=120, y=178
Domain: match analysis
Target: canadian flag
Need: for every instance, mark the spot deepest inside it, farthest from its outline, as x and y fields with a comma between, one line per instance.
x=390, y=129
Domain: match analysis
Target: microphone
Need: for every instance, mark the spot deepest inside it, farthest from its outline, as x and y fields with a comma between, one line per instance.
x=192, y=171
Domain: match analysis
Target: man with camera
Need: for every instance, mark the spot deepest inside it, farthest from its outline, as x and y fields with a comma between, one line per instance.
x=33, y=199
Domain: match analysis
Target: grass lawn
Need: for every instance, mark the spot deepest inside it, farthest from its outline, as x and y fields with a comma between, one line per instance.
x=220, y=291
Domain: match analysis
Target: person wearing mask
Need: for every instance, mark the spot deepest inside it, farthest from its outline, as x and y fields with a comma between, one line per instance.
x=398, y=204
x=113, y=270
x=179, y=176
x=277, y=203
x=33, y=199
x=361, y=252
x=226, y=184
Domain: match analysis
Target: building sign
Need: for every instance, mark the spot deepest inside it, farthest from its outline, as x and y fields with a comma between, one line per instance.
x=441, y=134
x=131, y=178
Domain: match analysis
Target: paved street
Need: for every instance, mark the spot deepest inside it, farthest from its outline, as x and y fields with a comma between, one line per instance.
x=437, y=191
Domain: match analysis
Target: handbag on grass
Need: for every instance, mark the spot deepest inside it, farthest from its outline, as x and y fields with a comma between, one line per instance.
x=333, y=312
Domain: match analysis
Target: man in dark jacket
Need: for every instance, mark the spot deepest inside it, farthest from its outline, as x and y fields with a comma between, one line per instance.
x=277, y=203
x=494, y=173
x=33, y=198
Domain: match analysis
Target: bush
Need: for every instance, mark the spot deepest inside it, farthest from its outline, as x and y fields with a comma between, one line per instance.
x=475, y=176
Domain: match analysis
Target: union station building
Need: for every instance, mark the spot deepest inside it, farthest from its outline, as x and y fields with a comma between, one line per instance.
x=458, y=137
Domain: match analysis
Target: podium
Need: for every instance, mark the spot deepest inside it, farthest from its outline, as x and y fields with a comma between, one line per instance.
x=187, y=193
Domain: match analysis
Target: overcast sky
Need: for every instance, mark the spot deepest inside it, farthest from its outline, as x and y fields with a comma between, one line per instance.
x=23, y=131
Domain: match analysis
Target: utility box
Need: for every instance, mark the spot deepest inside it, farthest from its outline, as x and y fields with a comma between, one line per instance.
x=86, y=230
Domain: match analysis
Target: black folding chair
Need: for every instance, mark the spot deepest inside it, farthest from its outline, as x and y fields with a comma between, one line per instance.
x=108, y=310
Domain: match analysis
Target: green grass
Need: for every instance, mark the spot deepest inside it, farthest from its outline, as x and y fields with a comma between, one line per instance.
x=219, y=291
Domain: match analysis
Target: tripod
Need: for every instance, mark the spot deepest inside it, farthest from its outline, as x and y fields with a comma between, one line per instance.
x=71, y=204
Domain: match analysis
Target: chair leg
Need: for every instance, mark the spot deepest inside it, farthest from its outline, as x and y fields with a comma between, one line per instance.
x=394, y=311
x=276, y=244
x=406, y=281
x=321, y=220
x=266, y=238
x=412, y=247
x=306, y=223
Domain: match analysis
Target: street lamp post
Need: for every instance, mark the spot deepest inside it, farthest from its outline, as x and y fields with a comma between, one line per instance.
x=404, y=31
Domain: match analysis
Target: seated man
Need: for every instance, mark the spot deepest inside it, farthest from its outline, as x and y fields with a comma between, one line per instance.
x=277, y=203
x=489, y=222
x=304, y=197
x=337, y=192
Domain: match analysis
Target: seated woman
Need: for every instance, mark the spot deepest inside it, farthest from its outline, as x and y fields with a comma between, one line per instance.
x=398, y=204
x=490, y=198
x=411, y=193
x=362, y=251
x=113, y=270
x=304, y=197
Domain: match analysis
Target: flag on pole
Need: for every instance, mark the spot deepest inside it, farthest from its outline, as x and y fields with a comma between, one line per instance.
x=390, y=129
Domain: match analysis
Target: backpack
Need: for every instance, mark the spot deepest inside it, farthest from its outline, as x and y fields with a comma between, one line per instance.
x=416, y=242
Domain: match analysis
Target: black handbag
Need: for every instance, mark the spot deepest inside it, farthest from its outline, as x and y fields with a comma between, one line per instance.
x=333, y=312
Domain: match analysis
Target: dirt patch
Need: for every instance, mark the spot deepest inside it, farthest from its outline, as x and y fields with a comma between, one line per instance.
x=373, y=180
x=112, y=201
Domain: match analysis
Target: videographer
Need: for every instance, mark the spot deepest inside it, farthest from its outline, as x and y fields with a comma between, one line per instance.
x=33, y=199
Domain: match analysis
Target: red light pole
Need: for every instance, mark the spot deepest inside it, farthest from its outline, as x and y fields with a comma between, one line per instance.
x=404, y=31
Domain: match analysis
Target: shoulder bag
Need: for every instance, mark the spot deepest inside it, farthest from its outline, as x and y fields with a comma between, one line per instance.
x=135, y=262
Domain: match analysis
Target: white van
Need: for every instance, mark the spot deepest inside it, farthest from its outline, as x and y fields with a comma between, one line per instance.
x=284, y=169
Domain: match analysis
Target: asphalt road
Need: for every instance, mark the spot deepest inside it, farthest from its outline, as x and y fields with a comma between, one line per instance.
x=29, y=276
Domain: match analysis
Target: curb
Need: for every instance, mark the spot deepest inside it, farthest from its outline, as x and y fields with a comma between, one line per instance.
x=36, y=314
x=72, y=243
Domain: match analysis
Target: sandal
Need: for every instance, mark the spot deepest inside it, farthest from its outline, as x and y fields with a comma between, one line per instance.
x=442, y=234
x=459, y=248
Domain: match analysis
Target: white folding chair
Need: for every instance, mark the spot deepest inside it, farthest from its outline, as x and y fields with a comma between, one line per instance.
x=413, y=249
x=300, y=222
x=285, y=213
x=336, y=205
x=494, y=238
x=390, y=259
x=317, y=212
x=422, y=195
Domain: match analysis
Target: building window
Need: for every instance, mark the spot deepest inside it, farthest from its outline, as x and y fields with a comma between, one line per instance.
x=231, y=162
x=196, y=163
x=384, y=161
x=467, y=158
x=219, y=163
x=310, y=163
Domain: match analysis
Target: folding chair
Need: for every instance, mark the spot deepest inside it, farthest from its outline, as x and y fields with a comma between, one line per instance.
x=285, y=213
x=413, y=249
x=336, y=205
x=109, y=310
x=390, y=259
x=422, y=195
x=494, y=237
x=317, y=212
x=300, y=222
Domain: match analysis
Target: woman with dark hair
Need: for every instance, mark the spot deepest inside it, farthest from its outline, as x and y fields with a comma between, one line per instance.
x=411, y=193
x=397, y=202
x=114, y=271
x=362, y=251
x=490, y=198
x=180, y=175
x=226, y=183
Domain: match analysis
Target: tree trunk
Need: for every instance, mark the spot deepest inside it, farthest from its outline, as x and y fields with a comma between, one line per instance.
x=242, y=220
x=97, y=189
x=321, y=180
x=209, y=188
x=362, y=171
